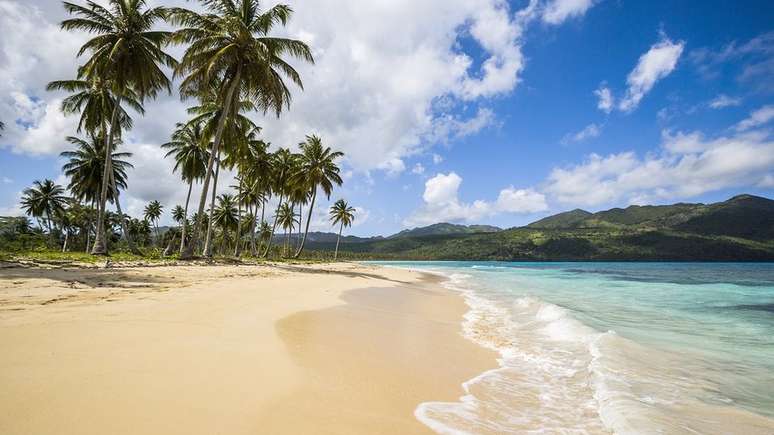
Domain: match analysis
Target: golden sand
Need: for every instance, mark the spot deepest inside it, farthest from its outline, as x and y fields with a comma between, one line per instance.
x=341, y=348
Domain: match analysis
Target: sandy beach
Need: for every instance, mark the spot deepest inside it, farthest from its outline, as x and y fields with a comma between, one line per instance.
x=231, y=349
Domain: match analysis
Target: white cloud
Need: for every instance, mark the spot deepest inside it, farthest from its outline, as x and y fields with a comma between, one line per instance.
x=658, y=62
x=442, y=203
x=418, y=169
x=724, y=100
x=557, y=11
x=449, y=127
x=759, y=117
x=605, y=101
x=512, y=200
x=687, y=165
x=437, y=159
x=590, y=131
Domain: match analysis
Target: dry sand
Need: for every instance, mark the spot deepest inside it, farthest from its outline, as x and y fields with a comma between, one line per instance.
x=341, y=348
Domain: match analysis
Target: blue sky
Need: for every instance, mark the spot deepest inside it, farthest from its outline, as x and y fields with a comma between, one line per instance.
x=485, y=114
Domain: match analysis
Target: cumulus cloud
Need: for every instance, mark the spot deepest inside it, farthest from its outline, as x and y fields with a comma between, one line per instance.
x=605, y=99
x=557, y=11
x=724, y=100
x=590, y=131
x=658, y=62
x=687, y=164
x=442, y=203
x=402, y=94
x=759, y=117
x=418, y=169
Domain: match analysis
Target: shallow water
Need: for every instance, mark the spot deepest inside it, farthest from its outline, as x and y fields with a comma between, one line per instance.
x=614, y=347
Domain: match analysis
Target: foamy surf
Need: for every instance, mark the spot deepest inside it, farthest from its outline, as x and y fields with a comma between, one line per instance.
x=559, y=375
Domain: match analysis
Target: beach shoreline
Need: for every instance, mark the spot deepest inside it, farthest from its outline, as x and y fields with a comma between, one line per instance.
x=280, y=348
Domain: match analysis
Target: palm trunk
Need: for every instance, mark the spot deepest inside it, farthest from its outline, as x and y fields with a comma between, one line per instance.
x=88, y=228
x=188, y=251
x=252, y=230
x=185, y=218
x=338, y=239
x=208, y=239
x=67, y=236
x=309, y=218
x=273, y=228
x=300, y=220
x=100, y=242
x=124, y=227
x=238, y=247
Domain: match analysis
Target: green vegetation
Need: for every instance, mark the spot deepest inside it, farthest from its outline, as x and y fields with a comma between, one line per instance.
x=234, y=63
x=740, y=229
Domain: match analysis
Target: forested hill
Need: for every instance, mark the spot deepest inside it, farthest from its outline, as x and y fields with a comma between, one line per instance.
x=741, y=228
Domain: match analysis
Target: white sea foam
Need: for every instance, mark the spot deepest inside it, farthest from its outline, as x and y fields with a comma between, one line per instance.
x=558, y=375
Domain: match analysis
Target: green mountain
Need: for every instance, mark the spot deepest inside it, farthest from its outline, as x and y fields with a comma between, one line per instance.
x=568, y=219
x=446, y=228
x=740, y=229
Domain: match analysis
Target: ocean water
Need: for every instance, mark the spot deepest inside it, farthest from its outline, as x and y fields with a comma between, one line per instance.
x=627, y=348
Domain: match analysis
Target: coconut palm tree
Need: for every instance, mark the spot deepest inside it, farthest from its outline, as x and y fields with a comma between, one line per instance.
x=232, y=51
x=189, y=148
x=318, y=170
x=94, y=101
x=127, y=53
x=287, y=218
x=341, y=213
x=225, y=217
x=44, y=200
x=178, y=214
x=85, y=168
x=283, y=166
x=264, y=232
x=152, y=214
x=234, y=138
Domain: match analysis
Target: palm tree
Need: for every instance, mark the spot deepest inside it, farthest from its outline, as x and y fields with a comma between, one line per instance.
x=341, y=213
x=283, y=167
x=178, y=214
x=152, y=213
x=318, y=170
x=94, y=101
x=231, y=51
x=287, y=218
x=127, y=53
x=190, y=152
x=264, y=232
x=225, y=216
x=44, y=200
x=85, y=168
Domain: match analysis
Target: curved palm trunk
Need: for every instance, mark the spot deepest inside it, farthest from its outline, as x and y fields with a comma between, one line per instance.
x=208, y=239
x=100, y=242
x=238, y=247
x=189, y=249
x=185, y=218
x=124, y=227
x=273, y=228
x=168, y=249
x=338, y=239
x=308, y=218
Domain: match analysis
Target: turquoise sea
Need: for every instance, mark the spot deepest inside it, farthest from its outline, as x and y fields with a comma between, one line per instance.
x=614, y=347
